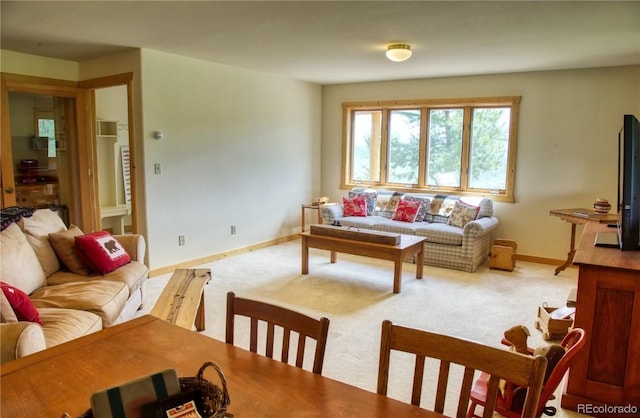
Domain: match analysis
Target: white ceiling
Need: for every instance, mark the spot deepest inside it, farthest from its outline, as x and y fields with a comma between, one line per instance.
x=331, y=42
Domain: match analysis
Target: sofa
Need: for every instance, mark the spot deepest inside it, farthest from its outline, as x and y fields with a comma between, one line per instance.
x=53, y=293
x=459, y=231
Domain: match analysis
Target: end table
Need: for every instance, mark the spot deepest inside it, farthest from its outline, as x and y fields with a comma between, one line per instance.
x=313, y=207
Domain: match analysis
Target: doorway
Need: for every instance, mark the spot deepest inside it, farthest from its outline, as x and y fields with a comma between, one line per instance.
x=40, y=162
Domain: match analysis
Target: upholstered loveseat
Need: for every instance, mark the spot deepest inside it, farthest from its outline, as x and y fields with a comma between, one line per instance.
x=459, y=231
x=50, y=296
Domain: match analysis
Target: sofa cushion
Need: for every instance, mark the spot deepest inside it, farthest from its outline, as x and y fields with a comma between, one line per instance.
x=355, y=206
x=362, y=221
x=20, y=303
x=62, y=325
x=462, y=214
x=132, y=274
x=101, y=251
x=19, y=264
x=441, y=233
x=105, y=298
x=64, y=245
x=37, y=229
x=406, y=211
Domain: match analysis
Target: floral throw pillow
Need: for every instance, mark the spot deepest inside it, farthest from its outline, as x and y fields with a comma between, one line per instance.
x=406, y=211
x=355, y=206
x=462, y=214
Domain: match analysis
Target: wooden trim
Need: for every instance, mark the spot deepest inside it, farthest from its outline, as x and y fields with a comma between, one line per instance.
x=28, y=79
x=8, y=179
x=108, y=81
x=460, y=102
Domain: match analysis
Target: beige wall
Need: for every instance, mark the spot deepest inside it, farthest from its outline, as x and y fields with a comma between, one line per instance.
x=567, y=141
x=240, y=148
x=36, y=66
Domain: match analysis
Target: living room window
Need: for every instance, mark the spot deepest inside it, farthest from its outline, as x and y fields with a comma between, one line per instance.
x=453, y=146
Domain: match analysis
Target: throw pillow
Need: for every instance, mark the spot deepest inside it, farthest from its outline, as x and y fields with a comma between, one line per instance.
x=20, y=303
x=102, y=251
x=462, y=214
x=393, y=202
x=64, y=245
x=355, y=206
x=424, y=207
x=369, y=195
x=406, y=211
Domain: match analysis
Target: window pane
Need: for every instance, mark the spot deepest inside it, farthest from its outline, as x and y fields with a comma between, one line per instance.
x=489, y=148
x=404, y=146
x=445, y=147
x=366, y=135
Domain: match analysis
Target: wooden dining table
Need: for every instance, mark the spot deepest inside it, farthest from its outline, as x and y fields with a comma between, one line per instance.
x=62, y=378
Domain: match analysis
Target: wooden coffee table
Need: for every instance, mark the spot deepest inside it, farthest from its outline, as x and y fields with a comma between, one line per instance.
x=410, y=245
x=182, y=300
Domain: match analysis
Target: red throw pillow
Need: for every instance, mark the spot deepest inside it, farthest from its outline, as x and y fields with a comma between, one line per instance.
x=406, y=211
x=20, y=303
x=102, y=251
x=355, y=206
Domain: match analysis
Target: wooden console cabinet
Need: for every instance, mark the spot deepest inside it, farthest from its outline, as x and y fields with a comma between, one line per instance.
x=606, y=373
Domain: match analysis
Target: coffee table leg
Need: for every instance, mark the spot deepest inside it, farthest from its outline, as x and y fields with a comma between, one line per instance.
x=397, y=275
x=199, y=322
x=305, y=256
x=420, y=262
x=334, y=257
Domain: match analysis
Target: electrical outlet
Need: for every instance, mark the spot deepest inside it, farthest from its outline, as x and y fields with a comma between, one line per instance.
x=157, y=169
x=233, y=229
x=180, y=240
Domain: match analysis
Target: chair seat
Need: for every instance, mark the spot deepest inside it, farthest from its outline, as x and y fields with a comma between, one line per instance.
x=479, y=394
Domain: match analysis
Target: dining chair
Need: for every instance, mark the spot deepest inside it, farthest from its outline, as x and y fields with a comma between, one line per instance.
x=287, y=320
x=572, y=343
x=470, y=356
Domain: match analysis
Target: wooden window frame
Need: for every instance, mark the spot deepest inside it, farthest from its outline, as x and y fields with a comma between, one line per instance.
x=425, y=105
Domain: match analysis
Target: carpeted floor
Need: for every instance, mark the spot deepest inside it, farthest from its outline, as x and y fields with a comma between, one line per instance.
x=356, y=295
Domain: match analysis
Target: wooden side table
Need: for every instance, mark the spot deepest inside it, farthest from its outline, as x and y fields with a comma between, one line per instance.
x=313, y=207
x=575, y=217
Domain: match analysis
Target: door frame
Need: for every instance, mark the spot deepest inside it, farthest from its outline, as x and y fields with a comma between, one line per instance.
x=124, y=79
x=82, y=208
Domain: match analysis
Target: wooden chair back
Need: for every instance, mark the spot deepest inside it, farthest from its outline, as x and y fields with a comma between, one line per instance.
x=526, y=371
x=289, y=321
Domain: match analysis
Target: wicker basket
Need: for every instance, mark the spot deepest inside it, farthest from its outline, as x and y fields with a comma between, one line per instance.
x=212, y=399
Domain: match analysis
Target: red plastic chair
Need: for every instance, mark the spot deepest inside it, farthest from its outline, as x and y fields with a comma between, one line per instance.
x=572, y=343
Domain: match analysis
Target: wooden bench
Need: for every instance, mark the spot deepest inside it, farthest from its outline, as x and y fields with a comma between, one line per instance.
x=182, y=300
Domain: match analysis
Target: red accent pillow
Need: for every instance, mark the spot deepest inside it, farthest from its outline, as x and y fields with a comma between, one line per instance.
x=406, y=211
x=20, y=303
x=355, y=206
x=101, y=251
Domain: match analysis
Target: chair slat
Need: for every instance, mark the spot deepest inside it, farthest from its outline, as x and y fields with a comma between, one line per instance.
x=279, y=317
x=443, y=380
x=527, y=371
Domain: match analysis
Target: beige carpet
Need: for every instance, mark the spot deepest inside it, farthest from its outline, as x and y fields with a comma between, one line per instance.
x=356, y=295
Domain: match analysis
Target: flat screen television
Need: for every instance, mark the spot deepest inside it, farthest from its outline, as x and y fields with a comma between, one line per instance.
x=629, y=184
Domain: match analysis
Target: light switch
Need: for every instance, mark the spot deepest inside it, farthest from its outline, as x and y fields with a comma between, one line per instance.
x=157, y=169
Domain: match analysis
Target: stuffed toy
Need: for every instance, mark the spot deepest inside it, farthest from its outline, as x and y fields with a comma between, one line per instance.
x=517, y=337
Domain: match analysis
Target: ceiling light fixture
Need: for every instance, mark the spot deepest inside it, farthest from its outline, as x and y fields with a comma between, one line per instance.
x=398, y=52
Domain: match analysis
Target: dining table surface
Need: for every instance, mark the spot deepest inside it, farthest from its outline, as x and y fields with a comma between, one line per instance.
x=62, y=379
